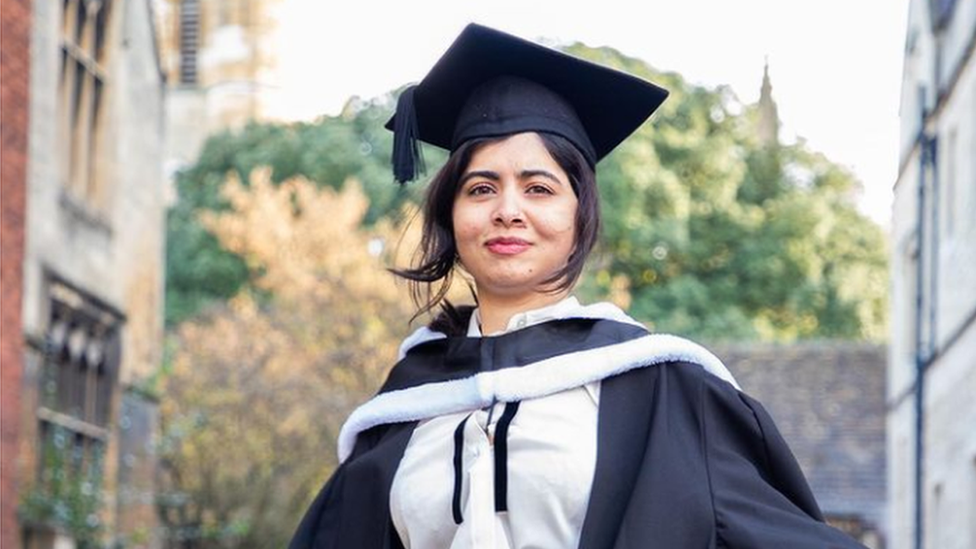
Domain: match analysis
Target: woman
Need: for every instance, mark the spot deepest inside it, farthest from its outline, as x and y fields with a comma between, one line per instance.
x=534, y=421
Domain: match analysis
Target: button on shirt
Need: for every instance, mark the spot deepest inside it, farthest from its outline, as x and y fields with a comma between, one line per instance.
x=551, y=460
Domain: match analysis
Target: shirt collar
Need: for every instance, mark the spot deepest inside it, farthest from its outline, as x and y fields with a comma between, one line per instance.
x=604, y=311
x=565, y=308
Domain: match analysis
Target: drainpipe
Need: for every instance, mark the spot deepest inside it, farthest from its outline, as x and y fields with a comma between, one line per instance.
x=922, y=353
x=933, y=297
x=919, y=359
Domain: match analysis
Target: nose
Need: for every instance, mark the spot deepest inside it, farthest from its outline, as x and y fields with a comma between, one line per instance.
x=509, y=208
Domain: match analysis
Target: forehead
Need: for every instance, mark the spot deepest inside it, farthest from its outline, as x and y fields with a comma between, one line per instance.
x=521, y=150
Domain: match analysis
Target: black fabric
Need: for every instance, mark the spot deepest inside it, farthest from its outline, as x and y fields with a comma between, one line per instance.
x=408, y=156
x=353, y=509
x=507, y=105
x=458, y=470
x=460, y=357
x=501, y=456
x=684, y=460
x=593, y=106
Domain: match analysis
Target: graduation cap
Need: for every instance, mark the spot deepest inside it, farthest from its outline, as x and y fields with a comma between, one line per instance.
x=491, y=84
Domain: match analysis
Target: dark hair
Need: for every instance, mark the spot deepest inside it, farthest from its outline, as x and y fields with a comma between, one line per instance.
x=438, y=250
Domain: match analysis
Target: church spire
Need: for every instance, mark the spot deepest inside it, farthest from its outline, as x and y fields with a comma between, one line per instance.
x=768, y=115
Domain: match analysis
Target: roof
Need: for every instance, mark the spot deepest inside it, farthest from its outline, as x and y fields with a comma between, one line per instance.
x=828, y=400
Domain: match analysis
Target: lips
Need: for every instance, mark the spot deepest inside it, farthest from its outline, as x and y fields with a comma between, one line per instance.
x=507, y=245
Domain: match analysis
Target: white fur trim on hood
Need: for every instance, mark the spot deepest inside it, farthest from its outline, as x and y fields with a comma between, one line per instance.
x=545, y=377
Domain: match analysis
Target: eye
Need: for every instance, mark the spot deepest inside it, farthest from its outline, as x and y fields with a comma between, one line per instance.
x=538, y=188
x=478, y=189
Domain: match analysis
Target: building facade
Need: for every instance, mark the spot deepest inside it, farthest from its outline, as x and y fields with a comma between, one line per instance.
x=93, y=273
x=932, y=354
x=219, y=58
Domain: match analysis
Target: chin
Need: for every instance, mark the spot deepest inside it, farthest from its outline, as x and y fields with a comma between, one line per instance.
x=505, y=288
x=512, y=289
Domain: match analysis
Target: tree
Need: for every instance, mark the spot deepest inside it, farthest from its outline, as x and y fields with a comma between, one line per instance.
x=328, y=152
x=259, y=385
x=713, y=234
x=721, y=237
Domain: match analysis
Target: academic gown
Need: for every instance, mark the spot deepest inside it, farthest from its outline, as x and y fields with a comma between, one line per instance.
x=684, y=458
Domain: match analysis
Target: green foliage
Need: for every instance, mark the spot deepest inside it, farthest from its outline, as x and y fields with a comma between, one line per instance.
x=721, y=237
x=328, y=152
x=717, y=236
x=68, y=494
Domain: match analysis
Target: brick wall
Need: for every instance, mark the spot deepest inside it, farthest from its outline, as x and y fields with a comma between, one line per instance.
x=14, y=107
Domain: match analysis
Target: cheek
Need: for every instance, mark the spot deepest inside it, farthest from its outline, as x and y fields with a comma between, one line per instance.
x=466, y=233
x=561, y=225
x=463, y=230
x=458, y=222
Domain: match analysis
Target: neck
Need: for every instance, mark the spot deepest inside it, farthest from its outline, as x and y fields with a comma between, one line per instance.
x=495, y=311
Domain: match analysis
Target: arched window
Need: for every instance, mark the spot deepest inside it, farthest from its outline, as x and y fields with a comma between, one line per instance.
x=78, y=388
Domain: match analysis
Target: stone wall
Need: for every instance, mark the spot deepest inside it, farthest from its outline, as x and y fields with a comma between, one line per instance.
x=14, y=98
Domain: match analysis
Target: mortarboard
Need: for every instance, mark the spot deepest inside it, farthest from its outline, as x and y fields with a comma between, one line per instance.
x=490, y=83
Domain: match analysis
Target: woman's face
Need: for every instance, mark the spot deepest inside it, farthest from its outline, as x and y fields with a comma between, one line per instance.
x=514, y=217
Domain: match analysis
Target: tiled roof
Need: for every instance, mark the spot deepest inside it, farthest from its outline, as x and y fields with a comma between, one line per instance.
x=828, y=400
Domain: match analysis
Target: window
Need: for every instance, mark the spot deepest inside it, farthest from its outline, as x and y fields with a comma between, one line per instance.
x=941, y=12
x=936, y=530
x=949, y=186
x=79, y=367
x=189, y=40
x=909, y=299
x=82, y=94
x=78, y=381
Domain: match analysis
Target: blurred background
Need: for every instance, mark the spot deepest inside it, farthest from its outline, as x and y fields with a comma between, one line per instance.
x=198, y=212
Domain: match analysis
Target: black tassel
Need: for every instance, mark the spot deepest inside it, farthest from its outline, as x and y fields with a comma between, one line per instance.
x=407, y=159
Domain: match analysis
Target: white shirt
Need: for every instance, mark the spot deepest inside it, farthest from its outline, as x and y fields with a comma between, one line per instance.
x=551, y=459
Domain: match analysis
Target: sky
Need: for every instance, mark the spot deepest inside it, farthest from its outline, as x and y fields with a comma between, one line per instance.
x=835, y=65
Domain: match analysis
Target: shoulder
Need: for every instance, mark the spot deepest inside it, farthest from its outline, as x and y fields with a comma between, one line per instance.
x=685, y=357
x=419, y=336
x=657, y=349
x=677, y=378
x=677, y=388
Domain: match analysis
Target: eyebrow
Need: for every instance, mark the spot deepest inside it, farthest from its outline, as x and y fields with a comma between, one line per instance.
x=524, y=174
x=487, y=174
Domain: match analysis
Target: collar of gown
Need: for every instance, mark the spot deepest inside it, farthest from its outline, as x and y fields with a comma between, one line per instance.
x=564, y=308
x=567, y=308
x=560, y=372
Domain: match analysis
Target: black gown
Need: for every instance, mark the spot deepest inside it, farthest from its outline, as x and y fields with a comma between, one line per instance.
x=684, y=459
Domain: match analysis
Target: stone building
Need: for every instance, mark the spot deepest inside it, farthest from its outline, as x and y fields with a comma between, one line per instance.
x=932, y=355
x=92, y=311
x=767, y=129
x=828, y=400
x=219, y=58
